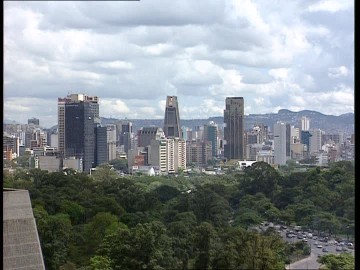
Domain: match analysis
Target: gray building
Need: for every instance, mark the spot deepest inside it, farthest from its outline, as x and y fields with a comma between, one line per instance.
x=234, y=128
x=172, y=118
x=101, y=146
x=34, y=121
x=147, y=134
x=280, y=143
x=21, y=244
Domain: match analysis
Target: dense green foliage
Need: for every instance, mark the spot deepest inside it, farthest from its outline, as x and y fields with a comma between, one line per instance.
x=343, y=261
x=104, y=221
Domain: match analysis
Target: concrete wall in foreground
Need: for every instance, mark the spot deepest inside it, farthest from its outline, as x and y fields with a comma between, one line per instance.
x=21, y=245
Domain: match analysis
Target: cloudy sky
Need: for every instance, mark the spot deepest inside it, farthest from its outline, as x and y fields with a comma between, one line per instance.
x=279, y=54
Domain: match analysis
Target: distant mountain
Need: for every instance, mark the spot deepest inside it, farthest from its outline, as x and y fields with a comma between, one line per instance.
x=328, y=123
x=344, y=123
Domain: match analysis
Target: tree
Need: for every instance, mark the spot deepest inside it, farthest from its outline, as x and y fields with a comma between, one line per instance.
x=145, y=246
x=204, y=235
x=100, y=263
x=120, y=164
x=54, y=234
x=75, y=211
x=342, y=261
x=101, y=224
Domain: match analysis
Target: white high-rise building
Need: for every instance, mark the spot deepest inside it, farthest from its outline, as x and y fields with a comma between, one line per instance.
x=169, y=154
x=280, y=143
x=305, y=123
x=111, y=141
x=294, y=134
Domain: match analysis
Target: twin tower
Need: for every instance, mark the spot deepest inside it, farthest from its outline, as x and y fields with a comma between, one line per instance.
x=233, y=129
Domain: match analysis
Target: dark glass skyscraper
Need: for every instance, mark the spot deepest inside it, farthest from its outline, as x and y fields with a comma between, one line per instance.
x=172, y=118
x=80, y=119
x=234, y=128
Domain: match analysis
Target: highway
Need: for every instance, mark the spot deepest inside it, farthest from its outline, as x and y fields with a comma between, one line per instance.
x=310, y=262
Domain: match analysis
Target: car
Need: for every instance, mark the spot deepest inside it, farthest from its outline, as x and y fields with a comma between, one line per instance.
x=338, y=249
x=319, y=246
x=316, y=243
x=325, y=249
x=344, y=249
x=304, y=240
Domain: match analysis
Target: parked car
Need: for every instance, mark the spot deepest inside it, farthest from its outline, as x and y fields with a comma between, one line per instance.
x=325, y=249
x=319, y=246
x=338, y=249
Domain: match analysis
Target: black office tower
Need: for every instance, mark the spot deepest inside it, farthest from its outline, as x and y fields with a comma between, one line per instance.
x=81, y=118
x=234, y=128
x=172, y=118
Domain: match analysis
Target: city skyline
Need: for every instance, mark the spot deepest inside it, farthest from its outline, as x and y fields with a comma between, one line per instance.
x=296, y=55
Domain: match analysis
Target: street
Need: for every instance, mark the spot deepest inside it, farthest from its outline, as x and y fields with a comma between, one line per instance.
x=310, y=262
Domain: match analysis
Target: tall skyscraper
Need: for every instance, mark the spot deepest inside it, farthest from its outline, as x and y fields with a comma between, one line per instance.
x=102, y=155
x=78, y=116
x=210, y=135
x=172, y=118
x=234, y=128
x=280, y=143
x=305, y=123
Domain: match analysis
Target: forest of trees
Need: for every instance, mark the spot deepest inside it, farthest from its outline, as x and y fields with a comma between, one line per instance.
x=104, y=221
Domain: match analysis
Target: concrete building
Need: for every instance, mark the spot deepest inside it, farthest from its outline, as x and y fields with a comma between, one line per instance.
x=54, y=139
x=294, y=134
x=172, y=118
x=111, y=141
x=265, y=156
x=11, y=145
x=234, y=128
x=297, y=151
x=305, y=123
x=102, y=155
x=315, y=141
x=280, y=143
x=73, y=163
x=147, y=134
x=168, y=154
x=251, y=150
x=125, y=135
x=21, y=244
x=48, y=163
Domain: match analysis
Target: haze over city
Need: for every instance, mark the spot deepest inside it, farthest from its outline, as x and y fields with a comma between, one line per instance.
x=294, y=55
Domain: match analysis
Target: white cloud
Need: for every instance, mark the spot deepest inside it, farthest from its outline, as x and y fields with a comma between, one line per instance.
x=331, y=6
x=337, y=72
x=282, y=54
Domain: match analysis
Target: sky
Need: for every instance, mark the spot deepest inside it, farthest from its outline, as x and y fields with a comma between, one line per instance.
x=281, y=54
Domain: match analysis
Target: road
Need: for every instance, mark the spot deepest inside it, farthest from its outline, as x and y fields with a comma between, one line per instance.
x=310, y=262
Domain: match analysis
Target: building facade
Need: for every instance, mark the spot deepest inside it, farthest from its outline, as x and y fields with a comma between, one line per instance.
x=234, y=128
x=280, y=143
x=78, y=117
x=172, y=118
